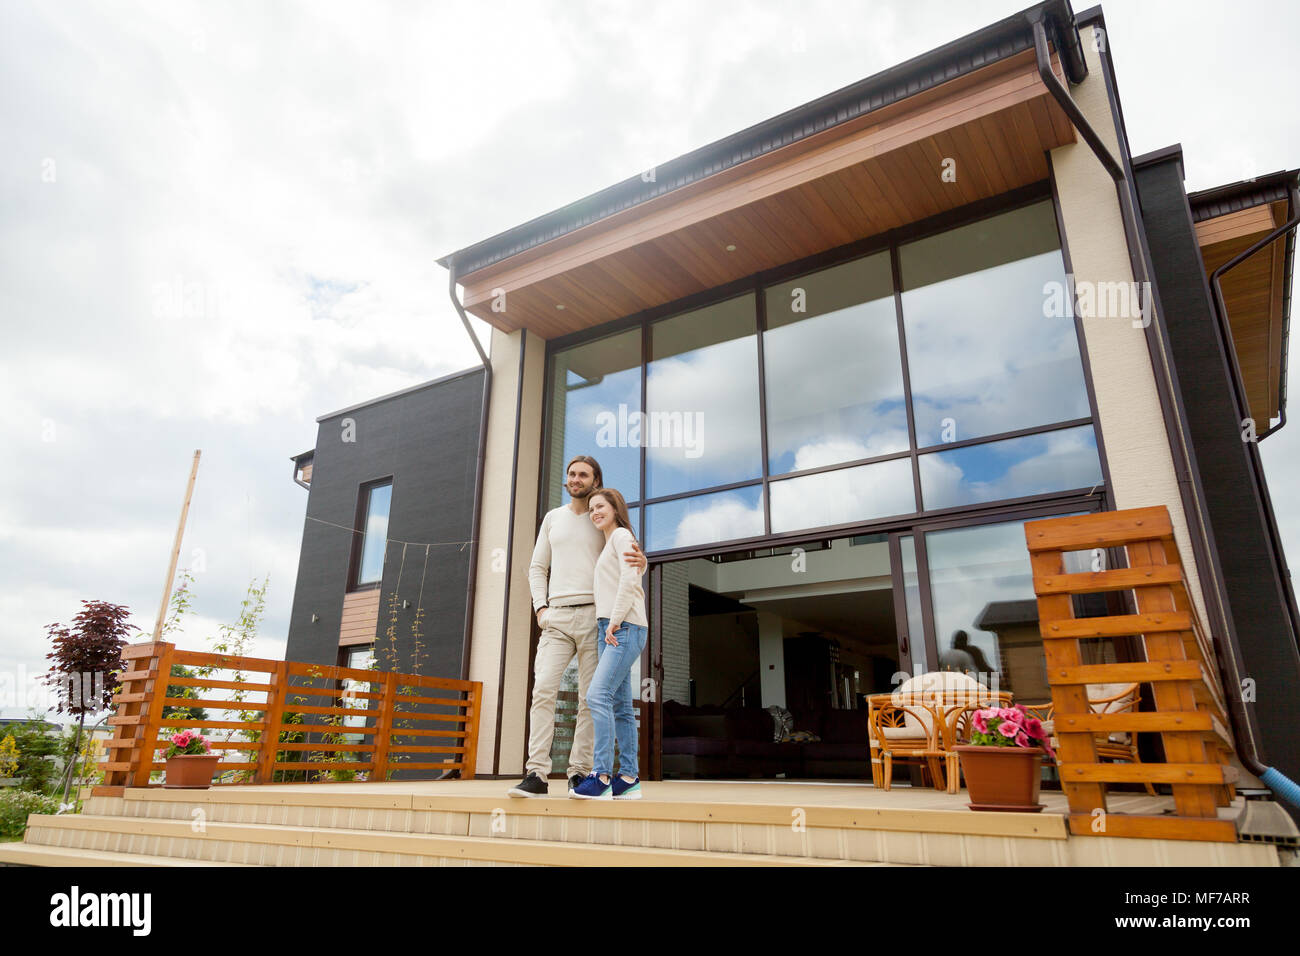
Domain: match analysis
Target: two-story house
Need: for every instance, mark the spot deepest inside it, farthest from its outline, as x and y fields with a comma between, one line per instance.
x=835, y=362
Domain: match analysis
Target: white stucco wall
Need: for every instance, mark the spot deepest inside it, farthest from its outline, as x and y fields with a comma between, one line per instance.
x=1137, y=445
x=485, y=647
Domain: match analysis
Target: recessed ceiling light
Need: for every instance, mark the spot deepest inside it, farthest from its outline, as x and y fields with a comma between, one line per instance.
x=731, y=248
x=559, y=307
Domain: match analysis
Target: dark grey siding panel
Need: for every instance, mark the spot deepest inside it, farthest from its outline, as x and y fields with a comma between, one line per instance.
x=427, y=440
x=1255, y=597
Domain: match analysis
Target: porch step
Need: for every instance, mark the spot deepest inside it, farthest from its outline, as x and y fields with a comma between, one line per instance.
x=474, y=821
x=766, y=829
x=35, y=854
x=275, y=845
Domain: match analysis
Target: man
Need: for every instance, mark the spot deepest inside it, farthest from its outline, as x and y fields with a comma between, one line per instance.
x=561, y=577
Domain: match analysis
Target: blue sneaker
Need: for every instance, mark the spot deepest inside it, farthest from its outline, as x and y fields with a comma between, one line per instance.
x=592, y=789
x=627, y=791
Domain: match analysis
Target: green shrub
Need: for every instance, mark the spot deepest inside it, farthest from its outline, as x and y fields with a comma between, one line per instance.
x=38, y=747
x=15, y=804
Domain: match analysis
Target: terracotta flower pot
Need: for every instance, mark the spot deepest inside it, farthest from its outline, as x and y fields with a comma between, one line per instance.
x=1002, y=778
x=190, y=771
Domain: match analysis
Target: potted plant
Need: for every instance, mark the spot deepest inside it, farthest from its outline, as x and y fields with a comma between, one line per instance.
x=1003, y=760
x=190, y=762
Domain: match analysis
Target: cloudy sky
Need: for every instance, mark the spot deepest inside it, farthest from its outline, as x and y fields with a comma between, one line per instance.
x=220, y=221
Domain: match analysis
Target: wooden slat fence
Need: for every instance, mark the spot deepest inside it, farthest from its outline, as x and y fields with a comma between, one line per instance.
x=1178, y=663
x=315, y=722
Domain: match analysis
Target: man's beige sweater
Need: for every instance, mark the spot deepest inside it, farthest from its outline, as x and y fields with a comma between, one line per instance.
x=563, y=569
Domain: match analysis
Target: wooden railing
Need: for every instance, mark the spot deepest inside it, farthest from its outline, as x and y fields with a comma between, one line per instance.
x=1175, y=657
x=287, y=711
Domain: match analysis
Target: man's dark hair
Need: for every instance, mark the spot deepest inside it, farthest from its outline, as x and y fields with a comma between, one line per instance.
x=595, y=469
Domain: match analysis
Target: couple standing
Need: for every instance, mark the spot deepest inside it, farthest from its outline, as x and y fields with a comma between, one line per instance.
x=585, y=578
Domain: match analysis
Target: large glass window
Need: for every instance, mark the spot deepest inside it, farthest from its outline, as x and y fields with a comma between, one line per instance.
x=704, y=519
x=1012, y=468
x=375, y=505
x=846, y=417
x=985, y=610
x=702, y=400
x=982, y=356
x=843, y=496
x=834, y=373
x=595, y=407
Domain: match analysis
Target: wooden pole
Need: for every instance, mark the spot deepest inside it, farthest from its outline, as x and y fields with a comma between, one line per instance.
x=176, y=550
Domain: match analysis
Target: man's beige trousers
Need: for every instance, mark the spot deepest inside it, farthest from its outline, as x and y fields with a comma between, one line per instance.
x=568, y=631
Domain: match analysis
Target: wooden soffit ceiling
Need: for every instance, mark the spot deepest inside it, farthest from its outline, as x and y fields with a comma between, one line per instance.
x=852, y=181
x=1253, y=293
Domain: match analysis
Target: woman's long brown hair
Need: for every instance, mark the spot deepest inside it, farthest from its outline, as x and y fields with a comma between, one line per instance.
x=615, y=499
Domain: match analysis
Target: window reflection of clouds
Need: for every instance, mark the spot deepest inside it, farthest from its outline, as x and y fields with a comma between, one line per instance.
x=834, y=371
x=376, y=533
x=705, y=363
x=597, y=378
x=838, y=497
x=722, y=516
x=1014, y=468
x=980, y=350
x=620, y=464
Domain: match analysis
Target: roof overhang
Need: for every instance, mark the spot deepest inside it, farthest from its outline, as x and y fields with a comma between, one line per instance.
x=878, y=163
x=1228, y=220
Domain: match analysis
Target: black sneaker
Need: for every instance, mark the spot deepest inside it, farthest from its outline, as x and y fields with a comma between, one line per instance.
x=574, y=781
x=531, y=786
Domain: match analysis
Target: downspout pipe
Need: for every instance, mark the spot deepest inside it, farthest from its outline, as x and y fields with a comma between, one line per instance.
x=1247, y=750
x=1221, y=308
x=478, y=470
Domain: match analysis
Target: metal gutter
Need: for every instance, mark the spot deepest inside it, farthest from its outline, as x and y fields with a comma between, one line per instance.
x=478, y=472
x=1221, y=310
x=1232, y=197
x=297, y=460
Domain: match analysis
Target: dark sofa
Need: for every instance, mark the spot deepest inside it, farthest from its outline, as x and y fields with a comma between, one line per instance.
x=737, y=742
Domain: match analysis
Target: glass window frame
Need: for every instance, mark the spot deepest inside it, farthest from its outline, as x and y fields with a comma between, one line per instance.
x=757, y=284
x=359, y=537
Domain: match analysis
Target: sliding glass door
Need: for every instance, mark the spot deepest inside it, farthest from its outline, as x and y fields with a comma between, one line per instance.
x=965, y=602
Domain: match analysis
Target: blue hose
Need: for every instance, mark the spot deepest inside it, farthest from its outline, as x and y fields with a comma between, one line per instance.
x=1284, y=787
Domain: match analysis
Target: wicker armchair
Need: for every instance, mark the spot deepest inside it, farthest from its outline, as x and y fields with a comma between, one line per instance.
x=912, y=724
x=902, y=729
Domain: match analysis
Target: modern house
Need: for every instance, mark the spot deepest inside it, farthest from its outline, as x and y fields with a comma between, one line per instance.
x=927, y=376
x=835, y=362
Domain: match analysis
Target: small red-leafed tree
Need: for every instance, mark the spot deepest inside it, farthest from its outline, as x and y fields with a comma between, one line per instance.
x=87, y=662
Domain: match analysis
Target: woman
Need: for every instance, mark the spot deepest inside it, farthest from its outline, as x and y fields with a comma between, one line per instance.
x=620, y=638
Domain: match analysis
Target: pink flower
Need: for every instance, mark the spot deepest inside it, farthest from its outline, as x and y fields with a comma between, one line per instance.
x=979, y=723
x=1034, y=727
x=182, y=739
x=1010, y=713
x=1009, y=728
x=1023, y=741
x=207, y=747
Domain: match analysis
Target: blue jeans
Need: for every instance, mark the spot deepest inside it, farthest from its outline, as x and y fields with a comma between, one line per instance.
x=609, y=698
